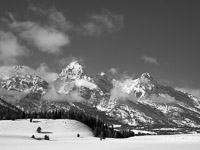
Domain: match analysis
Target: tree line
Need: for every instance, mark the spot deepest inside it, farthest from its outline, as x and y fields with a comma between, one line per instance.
x=100, y=128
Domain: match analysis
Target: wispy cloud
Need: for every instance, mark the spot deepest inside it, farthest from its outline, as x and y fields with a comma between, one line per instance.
x=149, y=59
x=162, y=98
x=45, y=38
x=10, y=48
x=118, y=91
x=113, y=70
x=91, y=29
x=47, y=31
x=106, y=21
x=53, y=17
x=53, y=95
x=112, y=21
x=45, y=72
x=120, y=75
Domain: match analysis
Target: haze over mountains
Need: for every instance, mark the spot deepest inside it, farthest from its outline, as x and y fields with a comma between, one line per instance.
x=136, y=102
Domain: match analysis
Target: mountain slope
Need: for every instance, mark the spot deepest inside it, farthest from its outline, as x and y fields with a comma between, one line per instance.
x=136, y=102
x=144, y=102
x=8, y=111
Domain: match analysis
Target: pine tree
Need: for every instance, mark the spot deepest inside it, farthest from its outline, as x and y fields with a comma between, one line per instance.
x=102, y=135
x=39, y=130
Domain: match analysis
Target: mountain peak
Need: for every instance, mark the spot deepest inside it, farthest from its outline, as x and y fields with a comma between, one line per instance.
x=23, y=79
x=147, y=76
x=20, y=71
x=75, y=65
x=73, y=71
x=102, y=74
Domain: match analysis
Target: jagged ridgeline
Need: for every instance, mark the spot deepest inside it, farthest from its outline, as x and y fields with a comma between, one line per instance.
x=138, y=102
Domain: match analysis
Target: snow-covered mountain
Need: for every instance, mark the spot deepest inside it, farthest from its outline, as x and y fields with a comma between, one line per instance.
x=74, y=77
x=23, y=79
x=144, y=102
x=137, y=102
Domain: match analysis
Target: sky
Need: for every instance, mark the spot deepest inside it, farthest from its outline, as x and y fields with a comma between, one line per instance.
x=118, y=37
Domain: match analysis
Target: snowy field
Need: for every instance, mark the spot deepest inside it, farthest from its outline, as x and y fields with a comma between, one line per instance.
x=16, y=135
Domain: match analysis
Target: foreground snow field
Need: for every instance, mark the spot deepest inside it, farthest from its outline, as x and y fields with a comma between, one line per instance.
x=16, y=135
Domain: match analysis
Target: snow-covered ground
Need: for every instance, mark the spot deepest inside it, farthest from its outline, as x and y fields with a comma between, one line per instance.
x=16, y=135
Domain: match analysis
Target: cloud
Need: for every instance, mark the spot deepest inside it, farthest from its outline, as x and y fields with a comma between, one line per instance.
x=194, y=92
x=65, y=61
x=46, y=30
x=149, y=59
x=10, y=15
x=121, y=76
x=123, y=90
x=53, y=95
x=45, y=72
x=45, y=38
x=106, y=21
x=127, y=87
x=10, y=48
x=112, y=21
x=162, y=98
x=91, y=29
x=120, y=90
x=54, y=17
x=12, y=96
x=113, y=70
x=85, y=83
x=125, y=75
